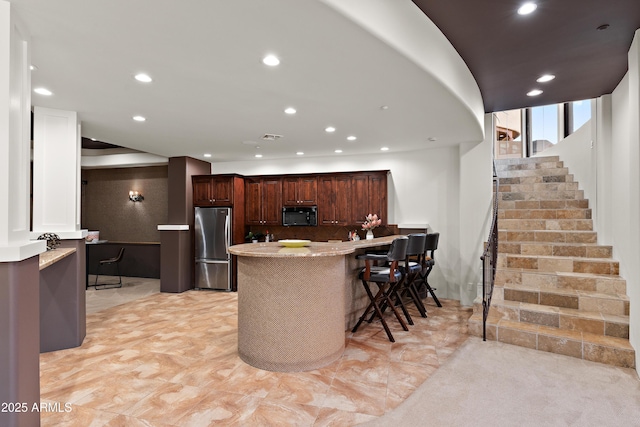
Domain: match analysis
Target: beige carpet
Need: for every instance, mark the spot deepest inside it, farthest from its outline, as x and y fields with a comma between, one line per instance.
x=495, y=384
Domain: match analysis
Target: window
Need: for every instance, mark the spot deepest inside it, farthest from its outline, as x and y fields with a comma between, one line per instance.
x=580, y=114
x=544, y=127
x=508, y=134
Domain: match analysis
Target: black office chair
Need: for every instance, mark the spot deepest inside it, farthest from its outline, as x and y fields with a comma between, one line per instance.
x=115, y=260
x=387, y=278
x=429, y=261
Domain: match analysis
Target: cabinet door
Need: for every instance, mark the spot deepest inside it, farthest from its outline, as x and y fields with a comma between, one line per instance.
x=272, y=201
x=308, y=191
x=326, y=198
x=253, y=201
x=378, y=196
x=290, y=192
x=222, y=191
x=201, y=191
x=342, y=201
x=359, y=198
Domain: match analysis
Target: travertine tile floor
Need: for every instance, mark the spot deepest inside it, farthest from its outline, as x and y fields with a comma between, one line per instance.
x=171, y=360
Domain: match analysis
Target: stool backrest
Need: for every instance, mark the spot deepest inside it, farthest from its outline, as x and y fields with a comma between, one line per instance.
x=398, y=249
x=431, y=243
x=416, y=244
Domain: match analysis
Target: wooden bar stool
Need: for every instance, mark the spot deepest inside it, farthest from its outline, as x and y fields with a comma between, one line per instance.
x=387, y=279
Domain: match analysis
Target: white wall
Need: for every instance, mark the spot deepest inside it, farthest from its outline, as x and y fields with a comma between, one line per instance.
x=424, y=187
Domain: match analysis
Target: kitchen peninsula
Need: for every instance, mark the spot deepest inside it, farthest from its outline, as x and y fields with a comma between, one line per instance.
x=294, y=304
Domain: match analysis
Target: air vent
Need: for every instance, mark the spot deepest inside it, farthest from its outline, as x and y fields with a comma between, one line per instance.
x=271, y=137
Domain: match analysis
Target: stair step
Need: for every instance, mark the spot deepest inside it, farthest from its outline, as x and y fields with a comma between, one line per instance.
x=519, y=160
x=559, y=263
x=582, y=345
x=542, y=195
x=507, y=167
x=568, y=298
x=544, y=214
x=606, y=284
x=538, y=187
x=543, y=204
x=519, y=173
x=581, y=250
x=558, y=236
x=546, y=224
x=535, y=179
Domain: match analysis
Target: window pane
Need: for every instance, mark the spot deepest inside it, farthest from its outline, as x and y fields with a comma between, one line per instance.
x=581, y=111
x=544, y=127
x=508, y=134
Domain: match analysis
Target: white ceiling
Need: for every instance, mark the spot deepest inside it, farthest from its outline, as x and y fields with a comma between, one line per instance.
x=212, y=94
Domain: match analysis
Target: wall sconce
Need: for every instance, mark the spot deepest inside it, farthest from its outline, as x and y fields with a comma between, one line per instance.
x=134, y=196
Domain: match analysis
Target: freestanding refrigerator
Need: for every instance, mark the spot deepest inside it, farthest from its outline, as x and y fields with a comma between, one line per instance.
x=212, y=228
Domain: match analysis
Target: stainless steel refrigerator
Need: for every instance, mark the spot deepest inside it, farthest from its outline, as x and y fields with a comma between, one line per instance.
x=212, y=229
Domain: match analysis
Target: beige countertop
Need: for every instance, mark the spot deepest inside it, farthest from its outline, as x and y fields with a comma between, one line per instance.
x=315, y=249
x=51, y=257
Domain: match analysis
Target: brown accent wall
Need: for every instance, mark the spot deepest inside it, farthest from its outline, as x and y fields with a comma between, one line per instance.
x=106, y=206
x=180, y=189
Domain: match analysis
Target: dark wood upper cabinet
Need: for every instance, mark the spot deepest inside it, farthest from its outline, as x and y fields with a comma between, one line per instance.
x=369, y=196
x=300, y=191
x=212, y=190
x=263, y=201
x=334, y=195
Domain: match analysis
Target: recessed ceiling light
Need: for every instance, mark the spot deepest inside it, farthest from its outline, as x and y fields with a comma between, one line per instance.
x=527, y=8
x=33, y=67
x=300, y=153
x=384, y=107
x=258, y=155
x=93, y=139
x=330, y=129
x=271, y=60
x=546, y=78
x=338, y=151
x=384, y=149
x=207, y=155
x=534, y=92
x=143, y=78
x=43, y=91
x=139, y=118
x=351, y=138
x=290, y=110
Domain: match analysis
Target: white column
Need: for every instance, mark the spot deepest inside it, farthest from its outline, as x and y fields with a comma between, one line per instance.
x=15, y=119
x=56, y=173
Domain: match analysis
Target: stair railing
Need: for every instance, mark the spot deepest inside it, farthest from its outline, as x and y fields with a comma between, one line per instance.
x=490, y=257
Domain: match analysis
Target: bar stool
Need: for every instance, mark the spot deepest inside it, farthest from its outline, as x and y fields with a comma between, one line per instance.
x=387, y=278
x=431, y=244
x=412, y=268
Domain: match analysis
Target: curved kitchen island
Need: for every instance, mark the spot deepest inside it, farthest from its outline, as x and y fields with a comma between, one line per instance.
x=291, y=302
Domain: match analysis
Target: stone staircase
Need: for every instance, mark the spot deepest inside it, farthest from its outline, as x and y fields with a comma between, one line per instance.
x=556, y=289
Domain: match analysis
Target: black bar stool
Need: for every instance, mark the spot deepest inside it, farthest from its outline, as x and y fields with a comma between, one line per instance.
x=429, y=260
x=412, y=268
x=115, y=260
x=387, y=278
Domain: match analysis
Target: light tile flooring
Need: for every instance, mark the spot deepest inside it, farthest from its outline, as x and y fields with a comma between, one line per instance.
x=171, y=360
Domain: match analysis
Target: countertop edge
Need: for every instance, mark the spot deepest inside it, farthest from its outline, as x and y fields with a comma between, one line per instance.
x=49, y=258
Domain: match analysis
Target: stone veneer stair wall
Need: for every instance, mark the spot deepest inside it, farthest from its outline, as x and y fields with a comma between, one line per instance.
x=556, y=289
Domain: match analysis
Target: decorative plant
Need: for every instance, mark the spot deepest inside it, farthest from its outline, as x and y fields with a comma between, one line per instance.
x=371, y=222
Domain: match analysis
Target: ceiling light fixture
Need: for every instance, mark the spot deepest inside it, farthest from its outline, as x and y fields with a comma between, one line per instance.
x=384, y=107
x=144, y=78
x=290, y=110
x=534, y=92
x=33, y=67
x=139, y=118
x=527, y=8
x=602, y=27
x=330, y=129
x=384, y=149
x=207, y=155
x=351, y=138
x=258, y=155
x=300, y=153
x=270, y=60
x=546, y=78
x=338, y=151
x=93, y=139
x=43, y=91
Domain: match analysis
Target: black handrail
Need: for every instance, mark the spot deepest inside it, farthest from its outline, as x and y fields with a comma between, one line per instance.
x=489, y=258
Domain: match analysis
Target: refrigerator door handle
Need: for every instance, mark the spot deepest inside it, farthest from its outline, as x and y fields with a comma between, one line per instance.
x=227, y=235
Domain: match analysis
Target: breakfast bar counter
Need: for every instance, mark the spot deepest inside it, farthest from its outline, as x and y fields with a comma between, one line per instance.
x=291, y=302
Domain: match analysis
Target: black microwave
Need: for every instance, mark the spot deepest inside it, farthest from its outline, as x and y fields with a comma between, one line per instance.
x=300, y=216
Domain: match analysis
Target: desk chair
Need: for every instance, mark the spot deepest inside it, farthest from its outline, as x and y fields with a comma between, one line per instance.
x=387, y=278
x=115, y=260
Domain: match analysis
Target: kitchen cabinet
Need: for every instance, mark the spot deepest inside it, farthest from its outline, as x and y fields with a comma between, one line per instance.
x=300, y=191
x=369, y=196
x=334, y=197
x=263, y=201
x=213, y=190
